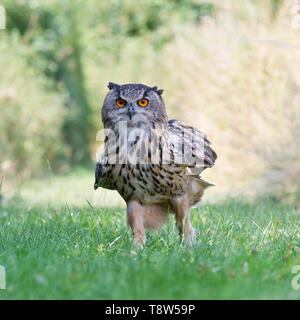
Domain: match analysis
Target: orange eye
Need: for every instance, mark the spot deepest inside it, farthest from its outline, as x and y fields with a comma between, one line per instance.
x=143, y=102
x=120, y=103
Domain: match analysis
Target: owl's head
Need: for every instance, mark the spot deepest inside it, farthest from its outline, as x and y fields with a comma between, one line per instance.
x=137, y=104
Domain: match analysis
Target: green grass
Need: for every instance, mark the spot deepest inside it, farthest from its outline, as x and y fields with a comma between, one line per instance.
x=243, y=251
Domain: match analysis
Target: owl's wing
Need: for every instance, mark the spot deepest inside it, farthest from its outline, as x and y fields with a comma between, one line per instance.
x=190, y=147
x=101, y=171
x=101, y=176
x=98, y=175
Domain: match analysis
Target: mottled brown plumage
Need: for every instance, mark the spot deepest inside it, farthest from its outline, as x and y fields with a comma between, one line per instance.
x=156, y=164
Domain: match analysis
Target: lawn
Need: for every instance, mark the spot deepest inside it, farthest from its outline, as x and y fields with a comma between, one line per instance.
x=243, y=251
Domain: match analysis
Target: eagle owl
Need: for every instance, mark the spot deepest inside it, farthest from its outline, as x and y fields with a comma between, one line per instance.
x=154, y=163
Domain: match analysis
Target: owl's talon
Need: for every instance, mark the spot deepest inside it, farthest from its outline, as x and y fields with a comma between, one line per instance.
x=190, y=241
x=189, y=237
x=138, y=243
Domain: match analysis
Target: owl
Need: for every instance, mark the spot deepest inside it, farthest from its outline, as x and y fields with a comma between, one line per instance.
x=154, y=163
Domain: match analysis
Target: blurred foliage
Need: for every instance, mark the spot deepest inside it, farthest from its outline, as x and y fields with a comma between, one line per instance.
x=51, y=30
x=32, y=114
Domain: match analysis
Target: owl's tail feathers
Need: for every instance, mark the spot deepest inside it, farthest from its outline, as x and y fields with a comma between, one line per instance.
x=197, y=188
x=155, y=216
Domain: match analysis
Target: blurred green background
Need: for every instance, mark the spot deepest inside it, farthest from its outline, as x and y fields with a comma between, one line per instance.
x=229, y=67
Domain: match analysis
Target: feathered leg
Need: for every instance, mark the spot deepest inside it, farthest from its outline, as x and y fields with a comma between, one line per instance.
x=135, y=219
x=181, y=209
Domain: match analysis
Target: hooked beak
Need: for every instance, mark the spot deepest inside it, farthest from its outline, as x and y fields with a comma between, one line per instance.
x=130, y=111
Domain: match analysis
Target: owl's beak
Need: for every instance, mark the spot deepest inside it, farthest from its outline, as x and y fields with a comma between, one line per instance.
x=130, y=111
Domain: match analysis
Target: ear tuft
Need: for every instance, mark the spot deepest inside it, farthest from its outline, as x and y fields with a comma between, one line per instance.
x=160, y=91
x=112, y=85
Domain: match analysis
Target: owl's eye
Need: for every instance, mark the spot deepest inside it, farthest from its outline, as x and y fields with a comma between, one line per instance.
x=121, y=103
x=143, y=102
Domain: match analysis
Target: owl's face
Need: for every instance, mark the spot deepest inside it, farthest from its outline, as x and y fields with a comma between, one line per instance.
x=139, y=105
